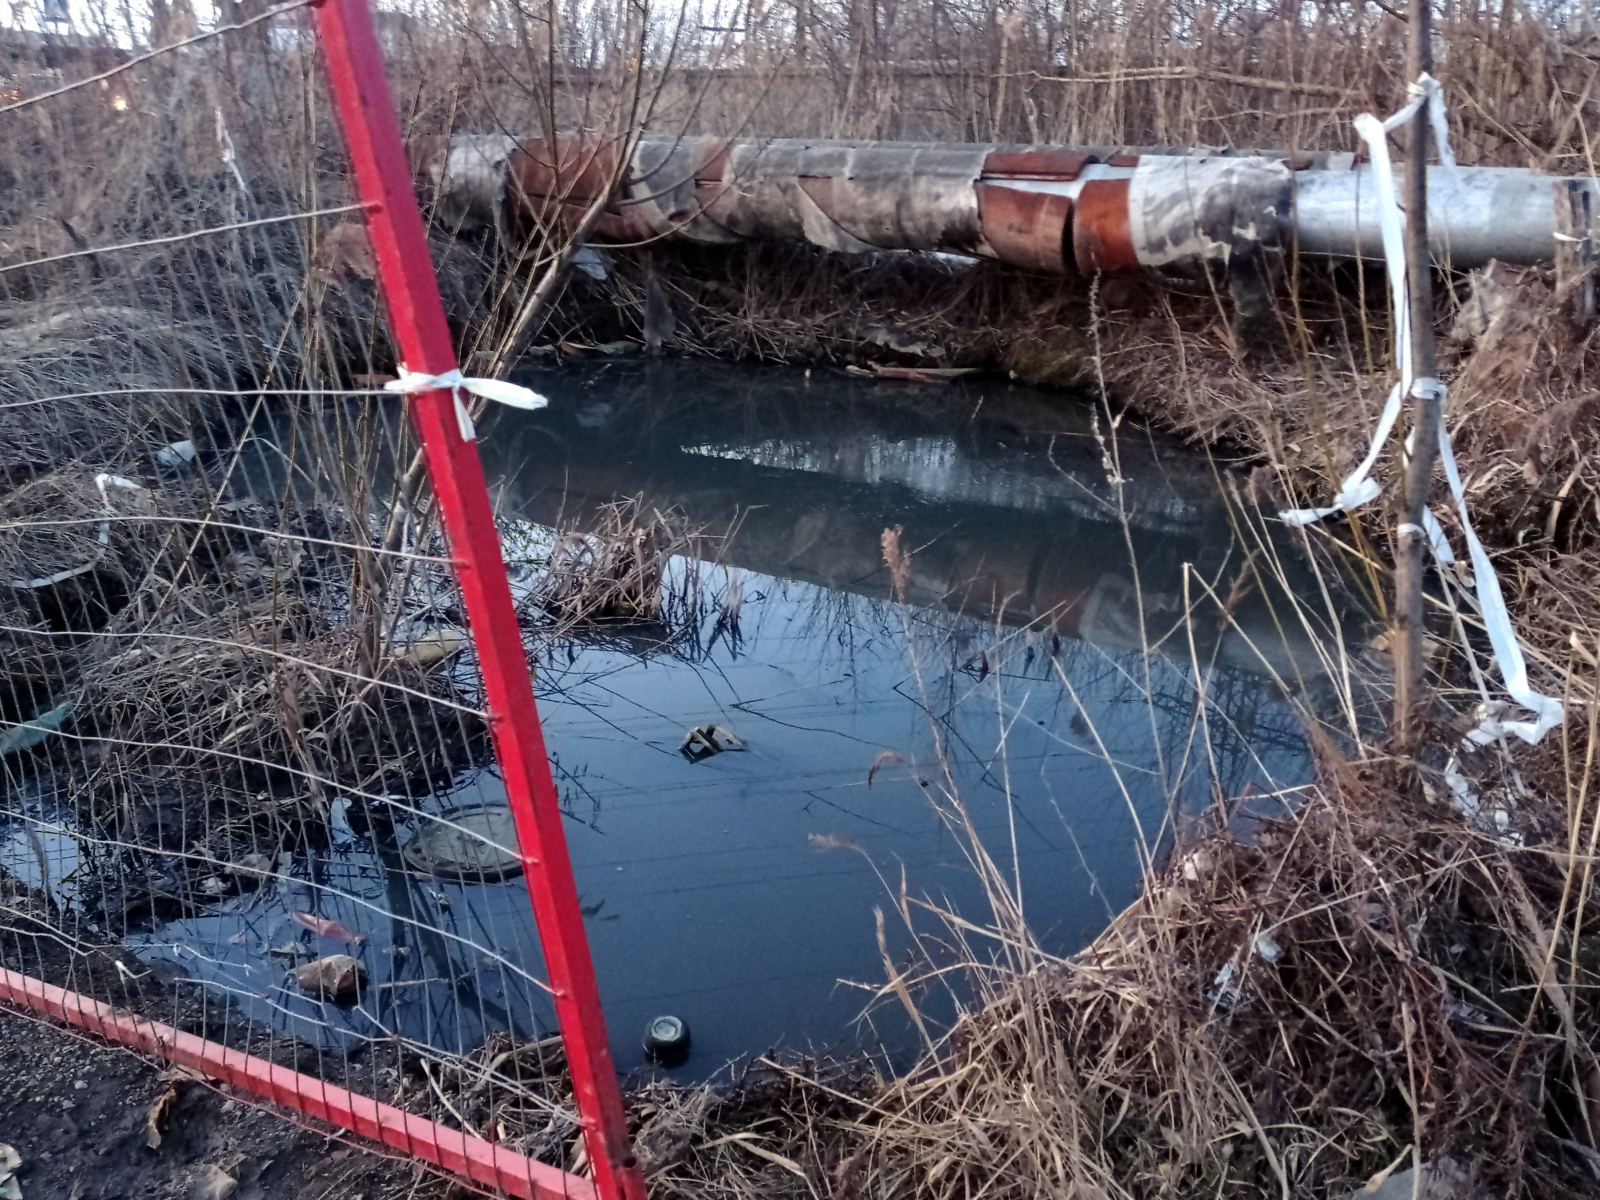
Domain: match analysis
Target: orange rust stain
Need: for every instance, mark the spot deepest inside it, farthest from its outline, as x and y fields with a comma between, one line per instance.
x=714, y=192
x=1101, y=239
x=1026, y=229
x=1035, y=164
x=820, y=189
x=577, y=171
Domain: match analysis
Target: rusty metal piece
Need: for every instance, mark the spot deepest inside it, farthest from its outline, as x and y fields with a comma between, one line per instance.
x=1025, y=229
x=1064, y=165
x=557, y=184
x=574, y=170
x=711, y=182
x=1101, y=238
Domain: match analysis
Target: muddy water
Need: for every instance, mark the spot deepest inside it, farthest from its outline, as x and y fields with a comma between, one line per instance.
x=739, y=891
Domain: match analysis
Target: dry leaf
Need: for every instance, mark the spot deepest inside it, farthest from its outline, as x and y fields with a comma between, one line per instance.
x=177, y=1073
x=155, y=1123
x=212, y=1183
x=847, y=1175
x=344, y=249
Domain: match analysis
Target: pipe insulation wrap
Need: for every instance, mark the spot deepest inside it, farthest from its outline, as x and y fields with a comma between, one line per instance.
x=1178, y=215
x=1189, y=216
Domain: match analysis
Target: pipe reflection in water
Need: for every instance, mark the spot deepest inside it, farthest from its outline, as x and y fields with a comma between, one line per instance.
x=1011, y=516
x=709, y=886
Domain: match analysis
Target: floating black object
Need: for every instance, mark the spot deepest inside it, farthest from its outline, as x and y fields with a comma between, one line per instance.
x=666, y=1039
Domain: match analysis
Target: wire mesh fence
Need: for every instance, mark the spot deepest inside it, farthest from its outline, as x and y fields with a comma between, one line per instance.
x=234, y=676
x=247, y=787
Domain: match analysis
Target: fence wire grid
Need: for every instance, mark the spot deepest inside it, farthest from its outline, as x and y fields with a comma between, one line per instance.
x=242, y=740
x=235, y=685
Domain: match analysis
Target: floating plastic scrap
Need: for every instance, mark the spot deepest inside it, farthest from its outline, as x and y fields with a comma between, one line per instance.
x=705, y=740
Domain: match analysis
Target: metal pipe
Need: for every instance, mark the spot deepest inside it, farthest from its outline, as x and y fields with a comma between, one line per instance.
x=1178, y=215
x=1475, y=214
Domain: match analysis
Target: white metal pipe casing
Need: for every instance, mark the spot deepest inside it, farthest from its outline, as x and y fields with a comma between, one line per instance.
x=1475, y=214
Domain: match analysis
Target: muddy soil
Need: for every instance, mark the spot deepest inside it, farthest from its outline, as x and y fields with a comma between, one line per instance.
x=78, y=1113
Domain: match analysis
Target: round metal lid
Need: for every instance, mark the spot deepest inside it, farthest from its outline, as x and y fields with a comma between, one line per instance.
x=476, y=842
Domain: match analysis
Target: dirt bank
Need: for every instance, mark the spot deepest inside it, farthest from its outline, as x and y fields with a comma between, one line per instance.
x=78, y=1114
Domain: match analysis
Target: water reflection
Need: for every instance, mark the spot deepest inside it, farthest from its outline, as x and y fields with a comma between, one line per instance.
x=725, y=890
x=1018, y=508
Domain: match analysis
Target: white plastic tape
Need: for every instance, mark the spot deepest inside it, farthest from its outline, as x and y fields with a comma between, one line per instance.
x=1359, y=488
x=1497, y=622
x=498, y=390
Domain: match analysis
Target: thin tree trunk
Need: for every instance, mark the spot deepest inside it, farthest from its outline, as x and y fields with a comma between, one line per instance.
x=1410, y=556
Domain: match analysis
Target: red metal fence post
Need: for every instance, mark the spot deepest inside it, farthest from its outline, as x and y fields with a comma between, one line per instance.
x=416, y=315
x=419, y=1138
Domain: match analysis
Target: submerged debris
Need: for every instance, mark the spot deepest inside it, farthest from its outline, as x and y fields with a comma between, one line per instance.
x=434, y=646
x=36, y=732
x=705, y=740
x=323, y=927
x=336, y=977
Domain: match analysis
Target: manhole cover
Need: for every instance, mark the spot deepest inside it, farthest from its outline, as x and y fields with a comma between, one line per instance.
x=476, y=842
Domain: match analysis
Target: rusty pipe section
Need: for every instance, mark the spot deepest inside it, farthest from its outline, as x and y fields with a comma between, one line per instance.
x=1183, y=216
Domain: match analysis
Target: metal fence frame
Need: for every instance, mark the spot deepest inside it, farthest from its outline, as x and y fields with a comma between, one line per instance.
x=410, y=289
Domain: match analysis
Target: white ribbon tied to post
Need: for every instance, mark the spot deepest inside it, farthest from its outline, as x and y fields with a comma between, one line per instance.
x=1359, y=487
x=512, y=395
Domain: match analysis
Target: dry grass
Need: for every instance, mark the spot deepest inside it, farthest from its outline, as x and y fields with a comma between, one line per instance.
x=1403, y=1008
x=263, y=710
x=610, y=572
x=627, y=572
x=1434, y=984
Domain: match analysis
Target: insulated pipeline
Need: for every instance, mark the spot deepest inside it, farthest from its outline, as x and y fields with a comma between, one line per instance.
x=1177, y=215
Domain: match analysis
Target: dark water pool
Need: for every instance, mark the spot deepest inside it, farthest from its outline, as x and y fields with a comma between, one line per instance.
x=739, y=892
